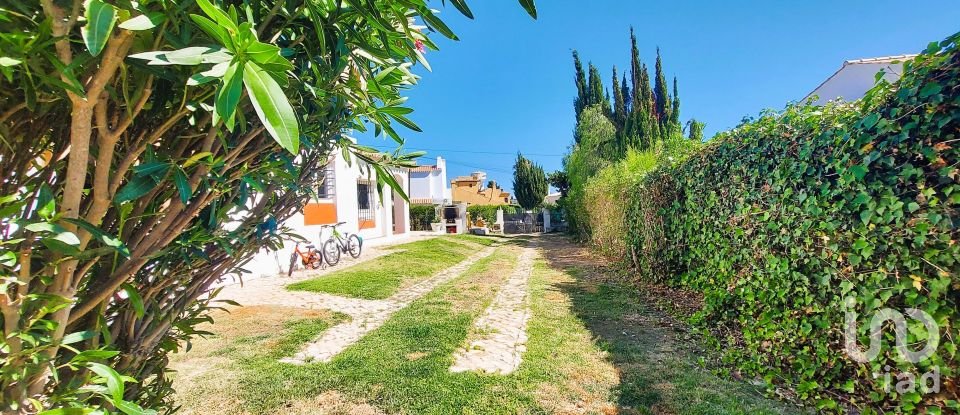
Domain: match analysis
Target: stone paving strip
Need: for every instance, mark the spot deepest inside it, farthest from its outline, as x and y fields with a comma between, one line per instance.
x=368, y=315
x=501, y=333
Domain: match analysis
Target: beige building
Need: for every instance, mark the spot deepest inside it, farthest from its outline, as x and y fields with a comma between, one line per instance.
x=473, y=190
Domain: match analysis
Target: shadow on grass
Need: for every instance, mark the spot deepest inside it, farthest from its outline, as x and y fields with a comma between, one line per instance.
x=657, y=358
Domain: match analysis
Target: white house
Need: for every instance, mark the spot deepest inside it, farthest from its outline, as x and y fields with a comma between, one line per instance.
x=852, y=81
x=428, y=184
x=346, y=192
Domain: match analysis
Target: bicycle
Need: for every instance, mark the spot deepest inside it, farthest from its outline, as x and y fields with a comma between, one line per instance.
x=311, y=258
x=338, y=243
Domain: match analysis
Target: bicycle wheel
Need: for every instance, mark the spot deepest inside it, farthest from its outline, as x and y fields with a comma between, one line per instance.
x=331, y=252
x=293, y=264
x=354, y=246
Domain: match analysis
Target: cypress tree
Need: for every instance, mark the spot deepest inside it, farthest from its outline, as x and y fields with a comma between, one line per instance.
x=646, y=100
x=529, y=183
x=634, y=68
x=595, y=90
x=675, y=110
x=661, y=95
x=619, y=106
x=580, y=78
x=627, y=98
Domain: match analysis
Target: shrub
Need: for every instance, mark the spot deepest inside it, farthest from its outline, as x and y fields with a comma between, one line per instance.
x=421, y=216
x=606, y=197
x=790, y=221
x=489, y=212
x=151, y=148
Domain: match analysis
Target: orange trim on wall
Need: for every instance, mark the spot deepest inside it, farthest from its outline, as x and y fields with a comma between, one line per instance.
x=319, y=214
x=367, y=224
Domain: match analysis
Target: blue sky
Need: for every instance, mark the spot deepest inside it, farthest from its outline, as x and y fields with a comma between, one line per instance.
x=507, y=85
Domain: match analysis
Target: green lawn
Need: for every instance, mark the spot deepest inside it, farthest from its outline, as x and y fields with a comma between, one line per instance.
x=381, y=277
x=594, y=347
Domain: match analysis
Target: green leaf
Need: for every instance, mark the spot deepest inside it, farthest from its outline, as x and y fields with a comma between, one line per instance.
x=931, y=88
x=135, y=300
x=214, y=30
x=88, y=355
x=263, y=53
x=435, y=22
x=530, y=7
x=6, y=61
x=46, y=205
x=869, y=121
x=406, y=122
x=218, y=15
x=462, y=7
x=100, y=20
x=183, y=185
x=142, y=183
x=8, y=259
x=67, y=411
x=228, y=97
x=78, y=337
x=193, y=55
x=858, y=171
x=107, y=239
x=131, y=408
x=395, y=110
x=212, y=74
x=143, y=21
x=195, y=158
x=272, y=107
x=114, y=382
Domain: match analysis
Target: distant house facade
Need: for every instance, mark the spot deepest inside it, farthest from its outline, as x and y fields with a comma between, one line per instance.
x=428, y=184
x=347, y=192
x=474, y=190
x=852, y=81
x=344, y=192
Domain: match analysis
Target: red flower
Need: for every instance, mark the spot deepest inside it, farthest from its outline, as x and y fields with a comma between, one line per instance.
x=419, y=45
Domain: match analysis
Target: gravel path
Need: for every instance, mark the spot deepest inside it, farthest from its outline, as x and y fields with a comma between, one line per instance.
x=501, y=333
x=368, y=315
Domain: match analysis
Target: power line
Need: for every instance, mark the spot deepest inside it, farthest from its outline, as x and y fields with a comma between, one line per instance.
x=472, y=151
x=472, y=166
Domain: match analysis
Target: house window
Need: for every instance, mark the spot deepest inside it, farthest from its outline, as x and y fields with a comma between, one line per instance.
x=365, y=201
x=326, y=183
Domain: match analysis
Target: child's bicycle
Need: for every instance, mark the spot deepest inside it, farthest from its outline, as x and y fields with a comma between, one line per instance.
x=340, y=242
x=311, y=258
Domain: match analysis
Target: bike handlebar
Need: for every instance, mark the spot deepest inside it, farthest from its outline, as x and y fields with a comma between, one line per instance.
x=334, y=225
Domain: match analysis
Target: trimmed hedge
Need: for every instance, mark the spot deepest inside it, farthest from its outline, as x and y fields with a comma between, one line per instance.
x=421, y=216
x=489, y=212
x=785, y=219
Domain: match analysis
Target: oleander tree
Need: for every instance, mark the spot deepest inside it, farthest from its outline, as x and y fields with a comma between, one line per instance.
x=150, y=148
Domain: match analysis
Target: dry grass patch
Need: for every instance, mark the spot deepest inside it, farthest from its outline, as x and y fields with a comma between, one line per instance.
x=205, y=376
x=330, y=403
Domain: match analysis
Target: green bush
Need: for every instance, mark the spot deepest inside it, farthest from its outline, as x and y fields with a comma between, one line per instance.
x=421, y=216
x=606, y=197
x=791, y=220
x=489, y=212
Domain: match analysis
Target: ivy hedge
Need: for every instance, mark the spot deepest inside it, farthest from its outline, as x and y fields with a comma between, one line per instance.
x=791, y=220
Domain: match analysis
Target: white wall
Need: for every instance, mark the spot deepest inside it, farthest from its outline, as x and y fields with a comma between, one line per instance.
x=853, y=81
x=431, y=185
x=345, y=176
